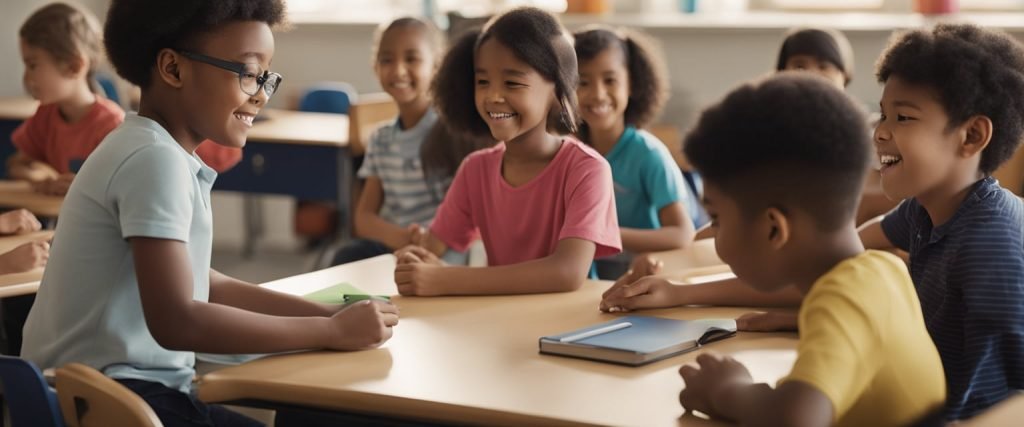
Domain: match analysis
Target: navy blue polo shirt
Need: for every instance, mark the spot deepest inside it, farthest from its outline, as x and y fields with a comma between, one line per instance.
x=969, y=275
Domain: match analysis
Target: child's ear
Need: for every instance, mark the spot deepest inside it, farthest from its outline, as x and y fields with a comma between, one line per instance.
x=778, y=234
x=977, y=135
x=78, y=64
x=168, y=67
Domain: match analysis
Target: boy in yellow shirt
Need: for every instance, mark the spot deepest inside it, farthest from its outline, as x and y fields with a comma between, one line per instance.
x=783, y=162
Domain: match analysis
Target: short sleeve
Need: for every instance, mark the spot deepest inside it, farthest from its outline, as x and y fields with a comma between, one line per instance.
x=30, y=136
x=453, y=223
x=662, y=179
x=897, y=224
x=369, y=167
x=840, y=346
x=590, y=207
x=153, y=195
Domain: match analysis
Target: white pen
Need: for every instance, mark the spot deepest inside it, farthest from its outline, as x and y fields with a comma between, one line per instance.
x=595, y=332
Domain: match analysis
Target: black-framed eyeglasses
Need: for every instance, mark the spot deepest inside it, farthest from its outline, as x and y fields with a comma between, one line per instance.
x=250, y=77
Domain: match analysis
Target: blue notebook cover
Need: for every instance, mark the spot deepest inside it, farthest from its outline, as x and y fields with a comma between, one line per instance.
x=648, y=339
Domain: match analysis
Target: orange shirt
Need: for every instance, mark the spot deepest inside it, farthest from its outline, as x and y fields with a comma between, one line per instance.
x=48, y=138
x=218, y=157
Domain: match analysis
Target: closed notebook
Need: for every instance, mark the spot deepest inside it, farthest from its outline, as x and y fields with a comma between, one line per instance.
x=637, y=340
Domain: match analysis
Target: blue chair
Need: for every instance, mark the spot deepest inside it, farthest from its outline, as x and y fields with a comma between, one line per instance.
x=109, y=88
x=30, y=399
x=328, y=97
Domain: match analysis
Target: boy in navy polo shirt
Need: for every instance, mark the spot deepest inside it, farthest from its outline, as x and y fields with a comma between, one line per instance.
x=952, y=112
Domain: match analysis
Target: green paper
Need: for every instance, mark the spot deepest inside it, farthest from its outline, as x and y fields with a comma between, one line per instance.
x=334, y=294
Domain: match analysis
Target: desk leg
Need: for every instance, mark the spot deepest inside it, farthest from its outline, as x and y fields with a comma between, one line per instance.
x=345, y=174
x=253, y=215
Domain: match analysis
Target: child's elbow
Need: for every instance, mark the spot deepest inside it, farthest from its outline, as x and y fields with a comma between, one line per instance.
x=568, y=278
x=174, y=336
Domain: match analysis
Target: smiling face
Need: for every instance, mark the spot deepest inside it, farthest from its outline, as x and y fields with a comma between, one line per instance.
x=405, y=63
x=915, y=146
x=818, y=66
x=603, y=90
x=215, y=106
x=511, y=97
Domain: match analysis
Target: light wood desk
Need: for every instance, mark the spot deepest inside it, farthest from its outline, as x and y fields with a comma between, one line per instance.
x=19, y=194
x=1009, y=412
x=26, y=282
x=697, y=263
x=475, y=360
x=17, y=108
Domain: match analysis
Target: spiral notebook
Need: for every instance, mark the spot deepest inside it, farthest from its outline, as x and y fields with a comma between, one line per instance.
x=637, y=340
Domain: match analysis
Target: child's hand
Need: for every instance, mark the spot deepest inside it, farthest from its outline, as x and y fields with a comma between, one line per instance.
x=417, y=279
x=362, y=325
x=19, y=221
x=706, y=383
x=29, y=256
x=648, y=292
x=416, y=255
x=767, y=322
x=418, y=235
x=55, y=187
x=642, y=266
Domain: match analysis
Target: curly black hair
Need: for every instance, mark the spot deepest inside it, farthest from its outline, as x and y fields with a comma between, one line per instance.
x=648, y=74
x=536, y=38
x=136, y=30
x=974, y=71
x=792, y=141
x=822, y=43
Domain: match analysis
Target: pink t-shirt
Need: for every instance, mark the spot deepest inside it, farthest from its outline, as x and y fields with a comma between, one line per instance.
x=571, y=198
x=47, y=138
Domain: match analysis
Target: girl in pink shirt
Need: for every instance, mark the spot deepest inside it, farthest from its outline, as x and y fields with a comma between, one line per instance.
x=542, y=202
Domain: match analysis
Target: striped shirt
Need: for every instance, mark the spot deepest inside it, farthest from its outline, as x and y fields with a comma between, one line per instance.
x=393, y=156
x=969, y=275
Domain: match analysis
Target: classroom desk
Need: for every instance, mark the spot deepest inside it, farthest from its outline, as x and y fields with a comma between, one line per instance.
x=1009, y=412
x=26, y=282
x=19, y=194
x=294, y=153
x=697, y=263
x=474, y=360
x=13, y=111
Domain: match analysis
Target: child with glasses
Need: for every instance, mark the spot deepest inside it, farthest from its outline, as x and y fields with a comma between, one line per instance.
x=129, y=289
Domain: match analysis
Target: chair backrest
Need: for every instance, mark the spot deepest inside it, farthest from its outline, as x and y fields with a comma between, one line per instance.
x=328, y=97
x=88, y=398
x=109, y=88
x=29, y=398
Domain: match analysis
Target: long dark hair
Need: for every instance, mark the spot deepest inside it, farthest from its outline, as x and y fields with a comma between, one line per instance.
x=648, y=75
x=536, y=38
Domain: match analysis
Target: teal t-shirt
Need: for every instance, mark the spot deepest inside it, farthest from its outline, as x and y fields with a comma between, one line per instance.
x=646, y=179
x=138, y=183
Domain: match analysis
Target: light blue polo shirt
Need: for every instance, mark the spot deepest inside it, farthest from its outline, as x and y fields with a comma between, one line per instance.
x=138, y=183
x=646, y=179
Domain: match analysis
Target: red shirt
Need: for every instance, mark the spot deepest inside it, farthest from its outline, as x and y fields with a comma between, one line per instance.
x=48, y=138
